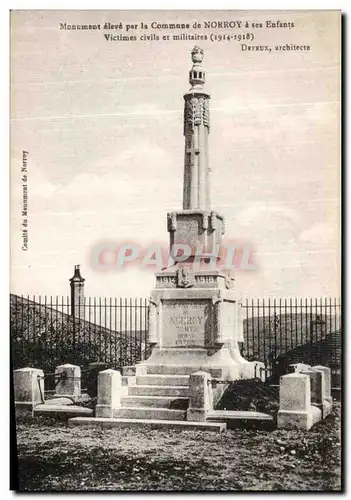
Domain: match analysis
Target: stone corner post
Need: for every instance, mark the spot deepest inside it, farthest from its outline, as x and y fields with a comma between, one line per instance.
x=109, y=393
x=28, y=386
x=200, y=396
x=68, y=382
x=295, y=409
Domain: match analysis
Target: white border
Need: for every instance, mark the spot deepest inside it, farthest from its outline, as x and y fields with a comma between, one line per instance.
x=4, y=141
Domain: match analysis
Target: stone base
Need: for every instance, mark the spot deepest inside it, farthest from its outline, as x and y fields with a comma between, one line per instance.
x=24, y=407
x=326, y=408
x=289, y=419
x=196, y=415
x=104, y=411
x=221, y=364
x=195, y=323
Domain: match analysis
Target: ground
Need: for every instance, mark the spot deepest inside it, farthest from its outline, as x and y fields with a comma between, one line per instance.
x=52, y=456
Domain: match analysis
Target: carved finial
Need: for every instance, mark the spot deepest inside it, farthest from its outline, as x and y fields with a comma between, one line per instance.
x=197, y=54
x=197, y=74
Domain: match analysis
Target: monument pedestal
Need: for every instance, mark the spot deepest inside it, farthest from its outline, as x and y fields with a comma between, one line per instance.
x=195, y=323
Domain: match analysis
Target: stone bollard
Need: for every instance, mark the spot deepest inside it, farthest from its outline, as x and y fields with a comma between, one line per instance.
x=295, y=409
x=28, y=389
x=68, y=386
x=200, y=396
x=109, y=393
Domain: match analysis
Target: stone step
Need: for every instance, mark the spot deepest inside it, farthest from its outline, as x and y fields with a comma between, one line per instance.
x=149, y=413
x=156, y=402
x=152, y=424
x=163, y=380
x=179, y=370
x=158, y=390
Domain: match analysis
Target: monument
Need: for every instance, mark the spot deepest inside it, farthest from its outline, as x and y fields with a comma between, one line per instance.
x=195, y=321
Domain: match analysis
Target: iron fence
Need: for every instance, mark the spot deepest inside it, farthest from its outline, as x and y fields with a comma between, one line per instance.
x=48, y=331
x=280, y=332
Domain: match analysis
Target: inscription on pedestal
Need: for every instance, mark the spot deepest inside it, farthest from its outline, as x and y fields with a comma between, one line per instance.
x=171, y=281
x=185, y=323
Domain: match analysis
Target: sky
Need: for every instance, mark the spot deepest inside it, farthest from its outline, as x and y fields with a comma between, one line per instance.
x=103, y=125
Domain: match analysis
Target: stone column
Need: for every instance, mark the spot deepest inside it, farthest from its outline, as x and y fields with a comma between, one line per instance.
x=200, y=400
x=69, y=384
x=196, y=192
x=28, y=389
x=295, y=409
x=77, y=294
x=109, y=393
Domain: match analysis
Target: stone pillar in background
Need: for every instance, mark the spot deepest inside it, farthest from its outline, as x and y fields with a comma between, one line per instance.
x=298, y=367
x=109, y=393
x=295, y=409
x=319, y=390
x=200, y=396
x=28, y=389
x=69, y=383
x=77, y=294
x=317, y=385
x=327, y=386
